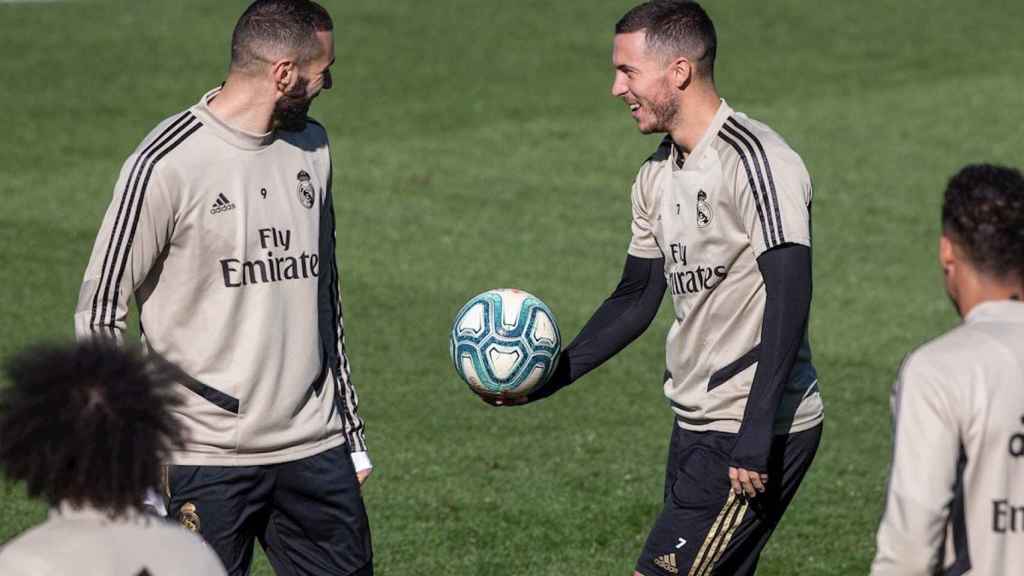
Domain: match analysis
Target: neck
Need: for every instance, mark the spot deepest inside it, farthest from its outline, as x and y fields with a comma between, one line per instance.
x=981, y=290
x=697, y=109
x=243, y=105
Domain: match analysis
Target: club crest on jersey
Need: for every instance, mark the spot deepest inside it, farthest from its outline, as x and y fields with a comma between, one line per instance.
x=704, y=211
x=305, y=191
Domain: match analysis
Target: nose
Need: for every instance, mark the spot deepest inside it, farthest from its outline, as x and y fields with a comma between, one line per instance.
x=619, y=86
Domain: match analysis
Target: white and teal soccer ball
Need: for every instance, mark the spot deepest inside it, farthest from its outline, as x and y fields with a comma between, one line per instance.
x=505, y=342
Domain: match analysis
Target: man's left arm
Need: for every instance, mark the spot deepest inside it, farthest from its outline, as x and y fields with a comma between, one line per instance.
x=332, y=335
x=787, y=278
x=775, y=206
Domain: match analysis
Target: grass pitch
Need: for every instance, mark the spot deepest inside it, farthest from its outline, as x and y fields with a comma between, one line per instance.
x=476, y=146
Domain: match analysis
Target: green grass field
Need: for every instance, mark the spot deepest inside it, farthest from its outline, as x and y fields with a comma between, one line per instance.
x=476, y=146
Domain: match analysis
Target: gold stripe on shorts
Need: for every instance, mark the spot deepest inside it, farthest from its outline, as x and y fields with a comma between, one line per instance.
x=737, y=519
x=712, y=534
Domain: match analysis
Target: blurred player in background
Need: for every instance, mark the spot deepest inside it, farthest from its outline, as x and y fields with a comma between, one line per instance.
x=85, y=428
x=955, y=499
x=222, y=227
x=721, y=217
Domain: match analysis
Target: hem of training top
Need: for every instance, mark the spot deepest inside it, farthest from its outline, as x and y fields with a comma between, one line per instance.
x=186, y=458
x=733, y=427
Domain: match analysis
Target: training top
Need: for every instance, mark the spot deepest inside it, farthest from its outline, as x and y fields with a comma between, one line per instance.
x=86, y=542
x=710, y=214
x=955, y=500
x=226, y=240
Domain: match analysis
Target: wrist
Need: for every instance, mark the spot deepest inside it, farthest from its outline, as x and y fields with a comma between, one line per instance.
x=361, y=461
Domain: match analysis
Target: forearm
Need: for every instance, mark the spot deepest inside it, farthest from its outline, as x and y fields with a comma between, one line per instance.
x=787, y=277
x=620, y=319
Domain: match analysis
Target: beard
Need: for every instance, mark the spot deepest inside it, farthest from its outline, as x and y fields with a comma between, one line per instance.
x=292, y=110
x=664, y=110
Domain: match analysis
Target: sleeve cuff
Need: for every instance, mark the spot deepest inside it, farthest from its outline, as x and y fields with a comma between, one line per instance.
x=361, y=461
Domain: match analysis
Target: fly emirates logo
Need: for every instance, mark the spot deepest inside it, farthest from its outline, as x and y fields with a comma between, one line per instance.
x=686, y=279
x=274, y=267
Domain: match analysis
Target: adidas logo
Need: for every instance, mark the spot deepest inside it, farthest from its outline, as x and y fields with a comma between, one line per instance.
x=667, y=563
x=222, y=204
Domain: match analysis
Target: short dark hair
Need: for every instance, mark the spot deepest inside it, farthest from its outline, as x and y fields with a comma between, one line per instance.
x=272, y=29
x=87, y=424
x=983, y=213
x=675, y=28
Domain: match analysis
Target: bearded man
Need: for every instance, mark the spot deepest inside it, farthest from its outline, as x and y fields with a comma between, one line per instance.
x=222, y=228
x=722, y=220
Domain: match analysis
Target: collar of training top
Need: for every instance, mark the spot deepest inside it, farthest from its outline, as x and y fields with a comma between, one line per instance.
x=691, y=160
x=1001, y=310
x=231, y=134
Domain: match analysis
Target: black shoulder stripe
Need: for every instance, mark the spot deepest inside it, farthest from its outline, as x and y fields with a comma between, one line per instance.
x=138, y=213
x=124, y=231
x=121, y=212
x=762, y=188
x=768, y=171
x=750, y=179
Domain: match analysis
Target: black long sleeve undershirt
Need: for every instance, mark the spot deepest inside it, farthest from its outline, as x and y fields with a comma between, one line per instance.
x=631, y=308
x=622, y=318
x=786, y=270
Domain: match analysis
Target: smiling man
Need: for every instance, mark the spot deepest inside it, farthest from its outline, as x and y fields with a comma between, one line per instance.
x=721, y=218
x=222, y=228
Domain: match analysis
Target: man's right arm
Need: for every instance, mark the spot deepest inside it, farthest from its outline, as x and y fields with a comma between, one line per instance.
x=926, y=448
x=135, y=230
x=631, y=308
x=622, y=318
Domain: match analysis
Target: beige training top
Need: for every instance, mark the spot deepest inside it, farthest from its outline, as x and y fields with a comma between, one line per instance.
x=226, y=241
x=710, y=214
x=955, y=500
x=85, y=542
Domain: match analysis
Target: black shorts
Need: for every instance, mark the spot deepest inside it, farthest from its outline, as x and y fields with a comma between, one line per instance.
x=308, y=514
x=705, y=529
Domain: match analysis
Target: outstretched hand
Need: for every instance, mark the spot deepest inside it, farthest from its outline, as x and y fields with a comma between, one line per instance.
x=559, y=379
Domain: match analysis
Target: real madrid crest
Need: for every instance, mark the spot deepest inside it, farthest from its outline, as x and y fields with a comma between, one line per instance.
x=305, y=191
x=188, y=516
x=704, y=211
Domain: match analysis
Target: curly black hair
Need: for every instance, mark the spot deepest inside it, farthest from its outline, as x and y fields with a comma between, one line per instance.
x=983, y=212
x=87, y=424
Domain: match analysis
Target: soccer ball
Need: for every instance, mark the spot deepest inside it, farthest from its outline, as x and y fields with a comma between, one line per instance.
x=504, y=343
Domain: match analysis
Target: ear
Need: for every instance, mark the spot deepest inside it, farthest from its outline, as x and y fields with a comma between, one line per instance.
x=947, y=256
x=285, y=74
x=680, y=72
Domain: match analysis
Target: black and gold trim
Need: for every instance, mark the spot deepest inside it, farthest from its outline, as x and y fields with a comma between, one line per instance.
x=719, y=536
